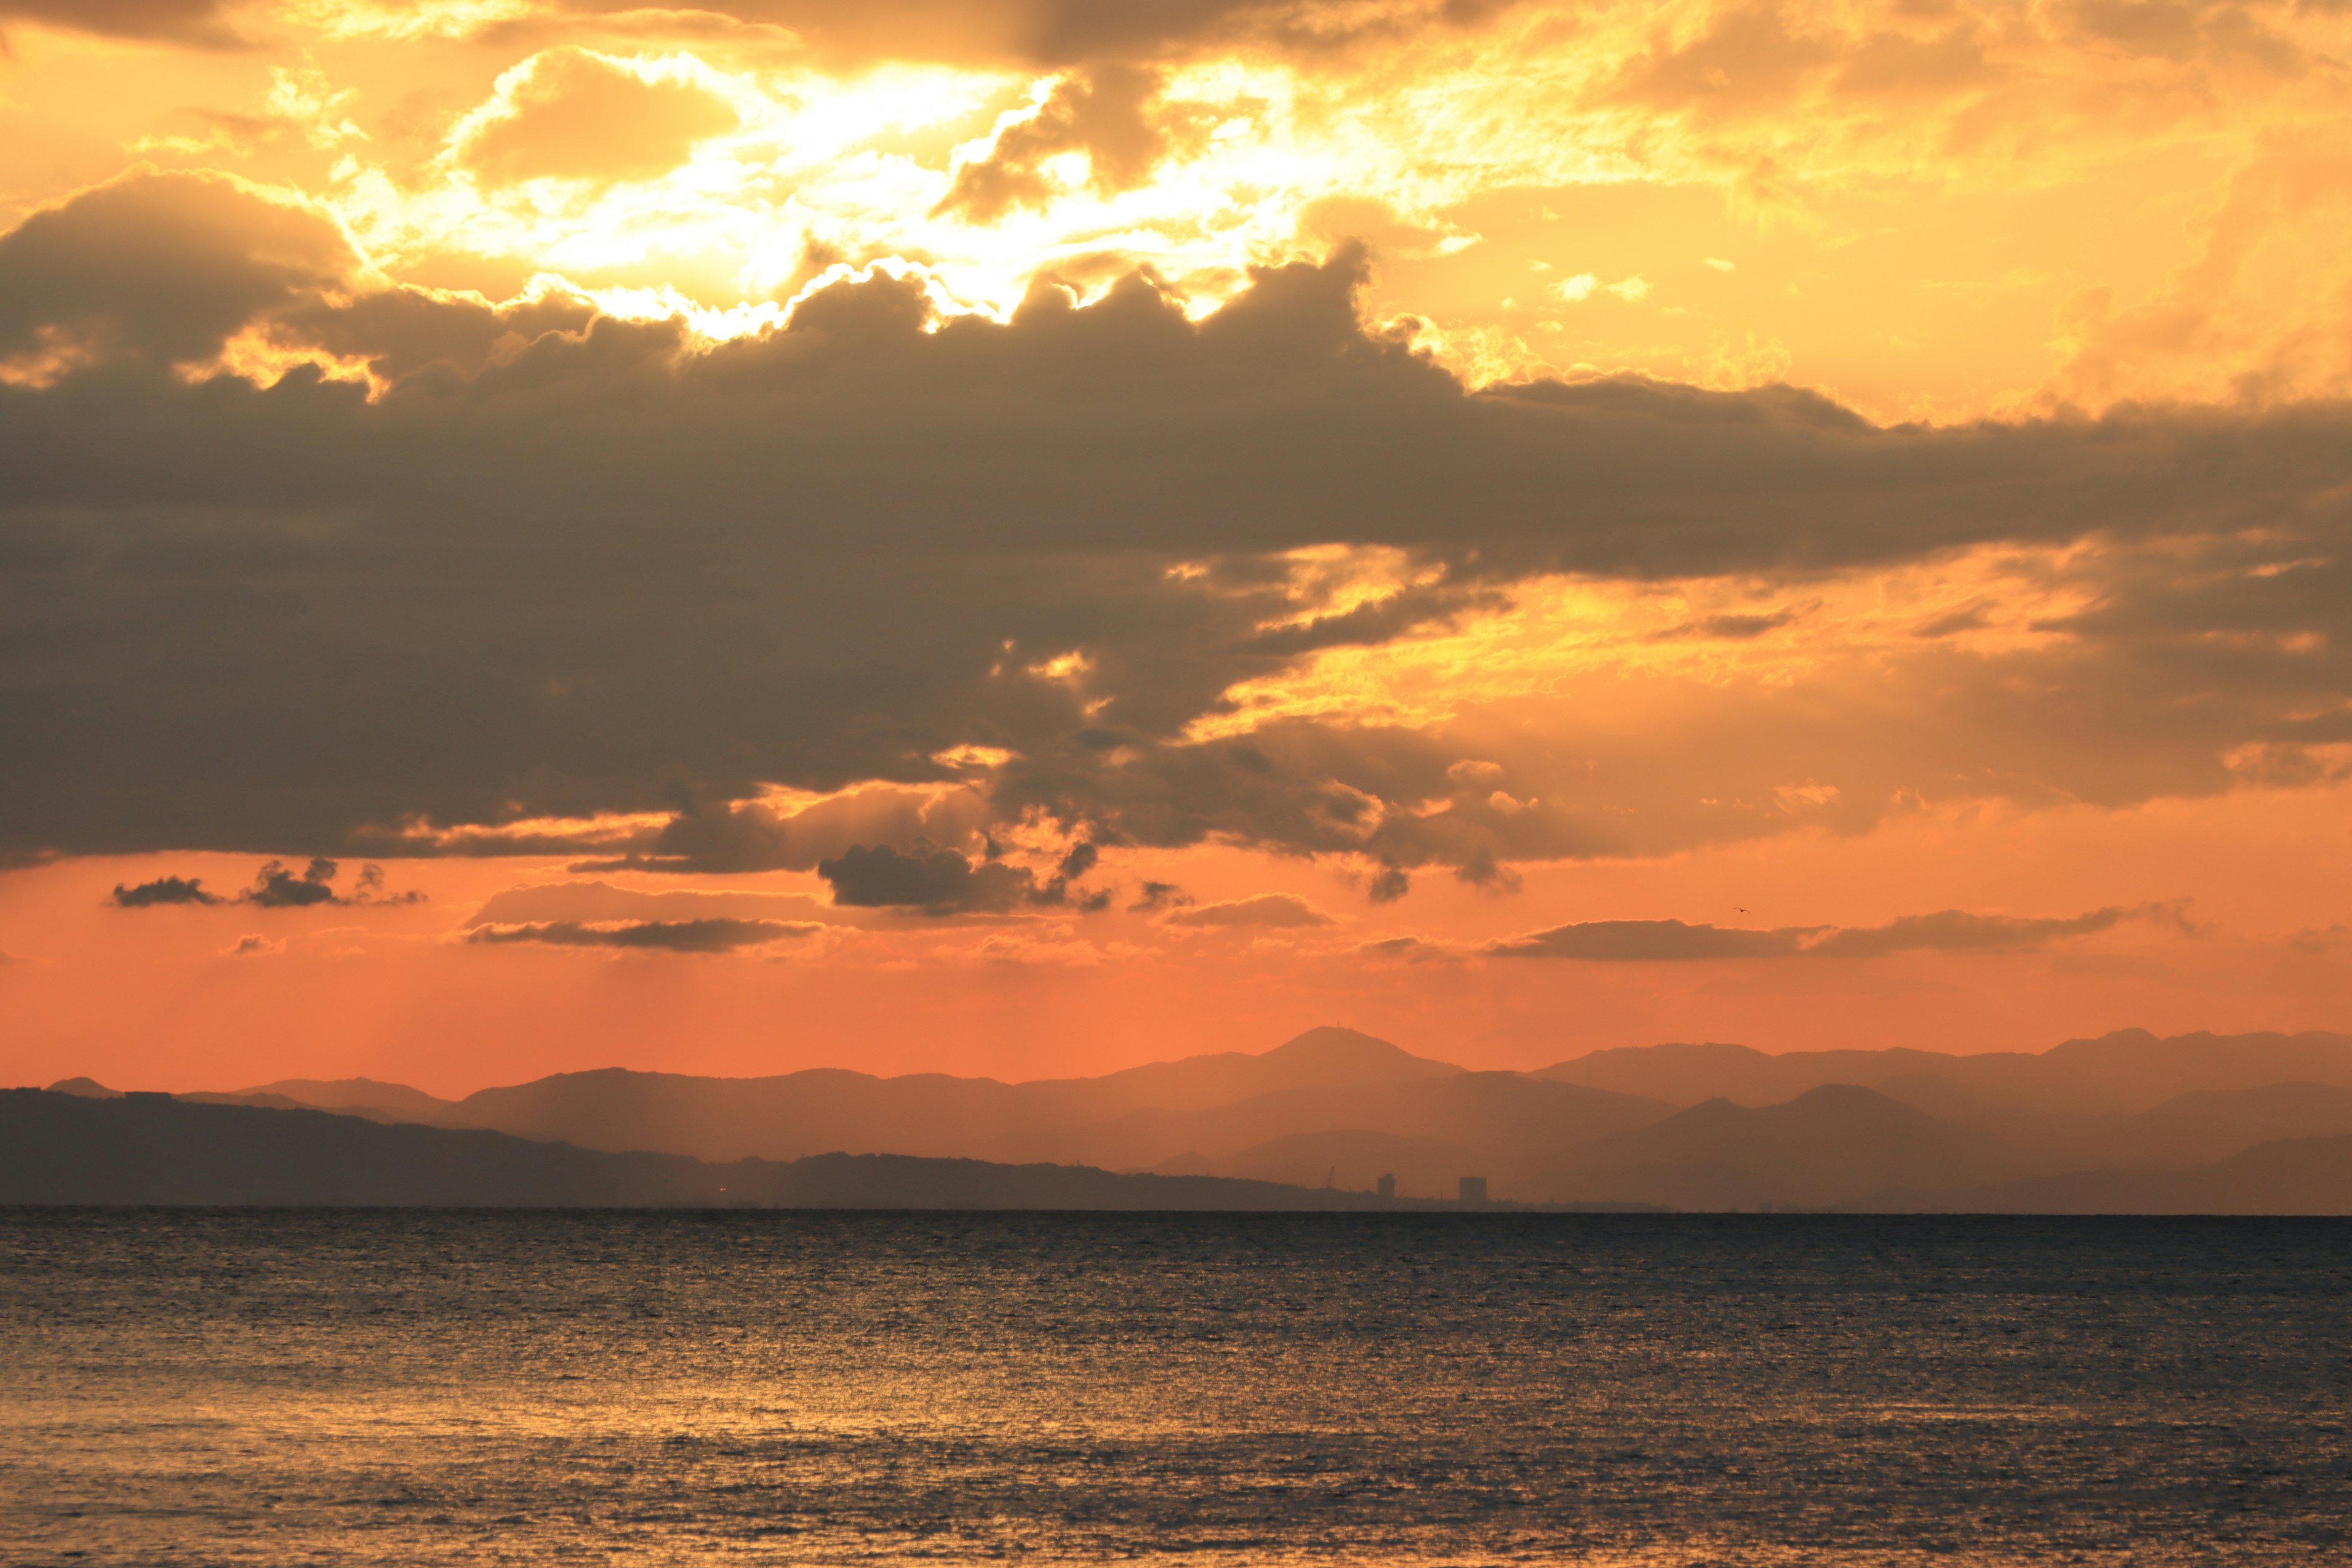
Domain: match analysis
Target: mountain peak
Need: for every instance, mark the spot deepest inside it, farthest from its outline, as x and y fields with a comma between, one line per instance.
x=1332, y=1043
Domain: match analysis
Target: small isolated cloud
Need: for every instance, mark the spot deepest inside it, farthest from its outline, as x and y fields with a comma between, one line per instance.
x=1732, y=627
x=1403, y=950
x=253, y=945
x=1265, y=910
x=938, y=881
x=1971, y=618
x=1652, y=941
x=1156, y=896
x=1946, y=930
x=275, y=888
x=596, y=903
x=163, y=890
x=717, y=935
x=1584, y=285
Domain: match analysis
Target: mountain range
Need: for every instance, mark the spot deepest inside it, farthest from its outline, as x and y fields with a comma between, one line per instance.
x=2243, y=1124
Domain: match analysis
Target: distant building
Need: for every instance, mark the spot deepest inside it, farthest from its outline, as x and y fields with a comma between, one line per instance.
x=1388, y=1186
x=1473, y=1189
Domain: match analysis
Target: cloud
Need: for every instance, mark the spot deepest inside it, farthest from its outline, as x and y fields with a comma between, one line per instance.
x=275, y=887
x=1098, y=115
x=158, y=267
x=1651, y=941
x=1956, y=931
x=254, y=945
x=596, y=902
x=198, y=23
x=938, y=881
x=1051, y=33
x=163, y=890
x=1155, y=896
x=1946, y=930
x=1264, y=910
x=1732, y=627
x=892, y=526
x=572, y=114
x=796, y=835
x=1405, y=949
x=712, y=935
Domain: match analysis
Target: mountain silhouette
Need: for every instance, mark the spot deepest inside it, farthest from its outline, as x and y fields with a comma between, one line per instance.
x=2289, y=1176
x=1694, y=1126
x=1834, y=1145
x=832, y=1109
x=2126, y=1071
x=154, y=1149
x=356, y=1096
x=2209, y=1124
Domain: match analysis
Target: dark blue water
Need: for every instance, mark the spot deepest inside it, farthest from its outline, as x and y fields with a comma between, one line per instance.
x=401, y=1387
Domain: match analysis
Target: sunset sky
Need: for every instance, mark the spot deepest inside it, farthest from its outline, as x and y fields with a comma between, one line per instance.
x=1017, y=538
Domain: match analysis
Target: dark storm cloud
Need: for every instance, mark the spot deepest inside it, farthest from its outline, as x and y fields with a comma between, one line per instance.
x=595, y=573
x=163, y=890
x=1946, y=930
x=714, y=935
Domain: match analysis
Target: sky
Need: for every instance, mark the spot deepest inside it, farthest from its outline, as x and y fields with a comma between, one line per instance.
x=1016, y=537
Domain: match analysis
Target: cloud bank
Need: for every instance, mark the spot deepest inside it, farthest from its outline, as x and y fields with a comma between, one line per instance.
x=528, y=563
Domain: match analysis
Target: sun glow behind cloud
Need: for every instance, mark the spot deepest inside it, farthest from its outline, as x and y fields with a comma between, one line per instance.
x=1996, y=219
x=714, y=166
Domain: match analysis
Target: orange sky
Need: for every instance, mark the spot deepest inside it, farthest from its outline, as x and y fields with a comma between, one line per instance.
x=845, y=500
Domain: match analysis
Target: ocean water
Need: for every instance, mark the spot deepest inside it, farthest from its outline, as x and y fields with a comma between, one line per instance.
x=411, y=1387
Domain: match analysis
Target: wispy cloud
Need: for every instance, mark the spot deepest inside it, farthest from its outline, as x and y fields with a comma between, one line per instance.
x=716, y=935
x=1946, y=930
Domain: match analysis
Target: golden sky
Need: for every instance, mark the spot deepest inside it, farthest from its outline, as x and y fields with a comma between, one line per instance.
x=1022, y=537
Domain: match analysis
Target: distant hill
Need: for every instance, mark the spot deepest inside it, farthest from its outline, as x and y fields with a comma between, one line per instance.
x=2292, y=1176
x=1834, y=1145
x=934, y=1114
x=2209, y=1124
x=1508, y=1124
x=1691, y=1126
x=152, y=1149
x=358, y=1094
x=2125, y=1072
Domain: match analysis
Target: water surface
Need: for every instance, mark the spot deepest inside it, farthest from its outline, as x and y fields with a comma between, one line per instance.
x=410, y=1387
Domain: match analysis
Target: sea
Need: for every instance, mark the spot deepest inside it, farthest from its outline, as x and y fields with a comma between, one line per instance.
x=422, y=1388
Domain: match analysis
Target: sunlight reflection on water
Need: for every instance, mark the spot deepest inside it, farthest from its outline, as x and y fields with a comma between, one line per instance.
x=530, y=1388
